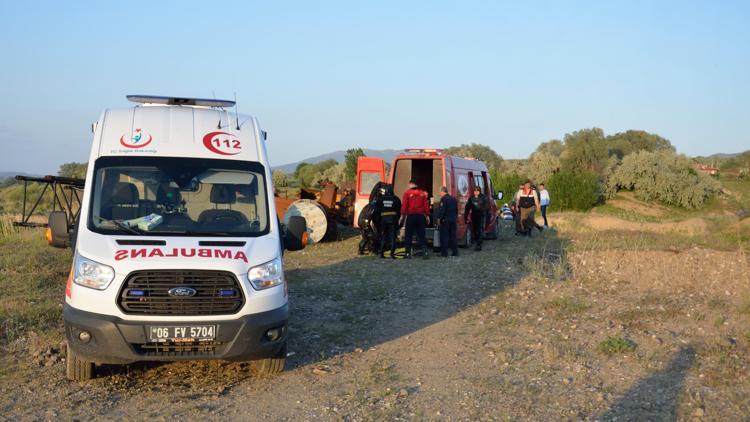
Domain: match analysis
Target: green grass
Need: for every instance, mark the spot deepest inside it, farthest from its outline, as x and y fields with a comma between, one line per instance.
x=33, y=278
x=613, y=345
x=627, y=215
x=545, y=257
x=721, y=235
x=740, y=189
x=744, y=308
x=7, y=228
x=566, y=305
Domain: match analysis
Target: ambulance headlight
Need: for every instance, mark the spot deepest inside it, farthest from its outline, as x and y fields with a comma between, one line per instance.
x=266, y=275
x=92, y=274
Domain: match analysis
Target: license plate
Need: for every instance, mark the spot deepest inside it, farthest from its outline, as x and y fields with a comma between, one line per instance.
x=181, y=333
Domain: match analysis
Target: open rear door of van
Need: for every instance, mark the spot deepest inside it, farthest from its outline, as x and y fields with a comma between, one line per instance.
x=370, y=171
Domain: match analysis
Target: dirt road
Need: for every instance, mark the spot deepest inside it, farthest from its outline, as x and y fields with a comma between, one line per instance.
x=521, y=330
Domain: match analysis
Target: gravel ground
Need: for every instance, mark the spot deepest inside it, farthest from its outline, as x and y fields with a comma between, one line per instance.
x=520, y=330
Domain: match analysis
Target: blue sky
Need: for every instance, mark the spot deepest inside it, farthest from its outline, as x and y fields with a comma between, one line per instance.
x=324, y=76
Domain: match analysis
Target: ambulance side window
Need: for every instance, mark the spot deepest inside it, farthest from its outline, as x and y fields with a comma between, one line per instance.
x=479, y=181
x=488, y=184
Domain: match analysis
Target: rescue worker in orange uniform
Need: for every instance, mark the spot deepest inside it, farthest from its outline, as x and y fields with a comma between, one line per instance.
x=415, y=211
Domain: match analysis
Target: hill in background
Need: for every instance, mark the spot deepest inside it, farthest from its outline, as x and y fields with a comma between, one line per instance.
x=386, y=154
x=12, y=174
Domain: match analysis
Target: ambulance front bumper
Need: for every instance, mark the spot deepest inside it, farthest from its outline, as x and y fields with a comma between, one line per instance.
x=112, y=340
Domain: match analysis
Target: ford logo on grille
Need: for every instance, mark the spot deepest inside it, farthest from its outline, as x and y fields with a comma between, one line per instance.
x=182, y=291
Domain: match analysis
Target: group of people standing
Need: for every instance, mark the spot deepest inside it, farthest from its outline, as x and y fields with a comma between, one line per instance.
x=381, y=219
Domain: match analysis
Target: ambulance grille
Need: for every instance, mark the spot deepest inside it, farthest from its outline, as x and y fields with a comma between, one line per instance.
x=191, y=349
x=147, y=293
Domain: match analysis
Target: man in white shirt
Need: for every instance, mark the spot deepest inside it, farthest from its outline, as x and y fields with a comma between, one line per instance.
x=544, y=202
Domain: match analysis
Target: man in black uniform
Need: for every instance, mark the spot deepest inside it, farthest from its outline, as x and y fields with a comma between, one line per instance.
x=388, y=210
x=477, y=207
x=367, y=229
x=447, y=215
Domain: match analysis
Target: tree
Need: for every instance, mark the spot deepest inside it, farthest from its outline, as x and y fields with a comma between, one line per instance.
x=298, y=169
x=478, y=151
x=72, y=169
x=310, y=174
x=279, y=178
x=574, y=191
x=662, y=176
x=335, y=174
x=624, y=143
x=507, y=183
x=585, y=151
x=541, y=166
x=554, y=147
x=350, y=161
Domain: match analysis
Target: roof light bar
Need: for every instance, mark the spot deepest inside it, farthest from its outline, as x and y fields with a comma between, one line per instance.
x=156, y=99
x=429, y=151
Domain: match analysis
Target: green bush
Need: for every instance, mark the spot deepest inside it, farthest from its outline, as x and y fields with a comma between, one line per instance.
x=612, y=345
x=507, y=183
x=573, y=191
x=585, y=151
x=280, y=179
x=541, y=166
x=662, y=176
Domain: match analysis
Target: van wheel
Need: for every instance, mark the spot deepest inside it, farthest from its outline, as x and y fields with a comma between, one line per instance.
x=77, y=369
x=271, y=365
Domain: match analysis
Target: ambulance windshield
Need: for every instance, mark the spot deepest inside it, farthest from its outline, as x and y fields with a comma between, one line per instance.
x=178, y=196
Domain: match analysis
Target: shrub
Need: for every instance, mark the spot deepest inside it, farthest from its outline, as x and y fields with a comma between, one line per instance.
x=279, y=178
x=478, y=151
x=612, y=345
x=662, y=176
x=573, y=191
x=585, y=151
x=507, y=183
x=336, y=174
x=541, y=166
x=625, y=143
x=308, y=175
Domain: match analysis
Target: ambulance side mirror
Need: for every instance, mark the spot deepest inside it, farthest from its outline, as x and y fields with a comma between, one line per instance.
x=57, y=230
x=500, y=195
x=296, y=236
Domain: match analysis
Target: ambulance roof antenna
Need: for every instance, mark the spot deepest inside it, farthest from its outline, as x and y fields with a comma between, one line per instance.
x=236, y=111
x=220, y=108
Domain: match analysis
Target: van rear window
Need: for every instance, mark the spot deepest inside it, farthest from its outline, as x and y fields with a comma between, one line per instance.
x=367, y=181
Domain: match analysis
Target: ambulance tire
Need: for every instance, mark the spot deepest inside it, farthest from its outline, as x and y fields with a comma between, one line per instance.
x=271, y=365
x=77, y=369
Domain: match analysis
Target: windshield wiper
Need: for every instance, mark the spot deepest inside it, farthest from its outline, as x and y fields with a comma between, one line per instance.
x=120, y=224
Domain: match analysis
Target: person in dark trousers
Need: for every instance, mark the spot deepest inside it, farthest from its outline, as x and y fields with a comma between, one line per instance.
x=528, y=202
x=517, y=211
x=368, y=230
x=415, y=212
x=544, y=202
x=447, y=216
x=477, y=208
x=388, y=210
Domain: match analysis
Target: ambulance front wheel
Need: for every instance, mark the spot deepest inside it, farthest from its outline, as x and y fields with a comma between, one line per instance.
x=273, y=364
x=77, y=369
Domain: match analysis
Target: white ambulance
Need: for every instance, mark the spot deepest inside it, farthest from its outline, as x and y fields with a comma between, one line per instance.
x=178, y=251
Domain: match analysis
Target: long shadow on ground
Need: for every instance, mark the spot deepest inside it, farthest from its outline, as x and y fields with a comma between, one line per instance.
x=364, y=301
x=656, y=397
